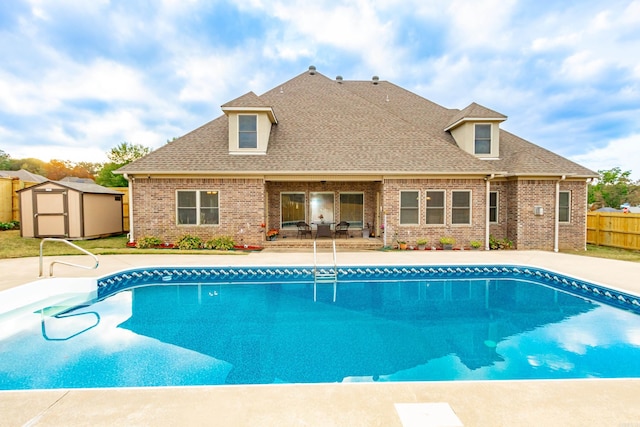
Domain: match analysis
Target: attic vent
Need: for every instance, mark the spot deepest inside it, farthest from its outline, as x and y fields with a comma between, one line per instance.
x=375, y=79
x=339, y=79
x=312, y=69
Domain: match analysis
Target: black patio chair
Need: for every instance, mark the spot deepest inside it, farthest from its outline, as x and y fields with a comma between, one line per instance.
x=303, y=229
x=342, y=229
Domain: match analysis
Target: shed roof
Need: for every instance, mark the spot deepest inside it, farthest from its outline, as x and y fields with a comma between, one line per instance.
x=82, y=187
x=23, y=175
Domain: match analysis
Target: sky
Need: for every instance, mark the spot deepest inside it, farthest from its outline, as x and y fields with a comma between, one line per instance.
x=78, y=78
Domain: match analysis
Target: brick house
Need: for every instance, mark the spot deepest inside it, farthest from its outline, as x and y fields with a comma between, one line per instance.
x=368, y=152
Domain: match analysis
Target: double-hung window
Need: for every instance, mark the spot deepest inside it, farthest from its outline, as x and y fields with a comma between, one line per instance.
x=461, y=207
x=247, y=131
x=493, y=206
x=564, y=205
x=482, y=139
x=198, y=207
x=435, y=207
x=409, y=207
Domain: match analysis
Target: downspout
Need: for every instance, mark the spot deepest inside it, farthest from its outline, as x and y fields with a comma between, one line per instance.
x=557, y=217
x=130, y=181
x=487, y=224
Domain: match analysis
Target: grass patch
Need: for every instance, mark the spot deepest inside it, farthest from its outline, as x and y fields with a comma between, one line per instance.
x=608, y=252
x=14, y=246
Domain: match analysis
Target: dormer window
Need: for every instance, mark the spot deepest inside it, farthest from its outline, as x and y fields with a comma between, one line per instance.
x=476, y=130
x=482, y=144
x=250, y=122
x=248, y=131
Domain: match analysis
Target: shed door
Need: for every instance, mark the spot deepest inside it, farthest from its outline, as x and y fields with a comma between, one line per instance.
x=50, y=209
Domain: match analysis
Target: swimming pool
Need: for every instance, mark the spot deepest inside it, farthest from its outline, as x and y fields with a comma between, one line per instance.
x=261, y=325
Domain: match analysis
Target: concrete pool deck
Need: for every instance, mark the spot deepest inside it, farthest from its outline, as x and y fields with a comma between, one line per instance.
x=592, y=402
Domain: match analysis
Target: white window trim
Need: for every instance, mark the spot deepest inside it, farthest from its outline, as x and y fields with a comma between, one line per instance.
x=400, y=207
x=568, y=207
x=497, y=193
x=257, y=132
x=470, y=208
x=198, y=207
x=444, y=206
x=475, y=127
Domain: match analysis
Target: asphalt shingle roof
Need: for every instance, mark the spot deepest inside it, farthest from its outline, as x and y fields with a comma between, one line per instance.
x=350, y=127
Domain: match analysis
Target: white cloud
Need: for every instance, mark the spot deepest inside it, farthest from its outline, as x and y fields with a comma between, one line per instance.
x=582, y=65
x=480, y=24
x=621, y=152
x=102, y=80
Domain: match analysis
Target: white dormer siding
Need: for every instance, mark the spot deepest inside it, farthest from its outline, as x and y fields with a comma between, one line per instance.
x=476, y=130
x=249, y=129
x=480, y=138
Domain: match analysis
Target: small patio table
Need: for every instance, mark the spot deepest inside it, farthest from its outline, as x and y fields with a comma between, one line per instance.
x=324, y=229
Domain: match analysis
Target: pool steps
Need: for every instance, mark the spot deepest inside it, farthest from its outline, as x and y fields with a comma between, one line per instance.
x=55, y=295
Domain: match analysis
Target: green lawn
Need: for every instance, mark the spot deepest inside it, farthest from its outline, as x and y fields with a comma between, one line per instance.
x=14, y=246
x=608, y=252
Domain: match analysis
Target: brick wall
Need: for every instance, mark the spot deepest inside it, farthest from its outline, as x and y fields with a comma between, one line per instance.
x=241, y=209
x=410, y=233
x=530, y=231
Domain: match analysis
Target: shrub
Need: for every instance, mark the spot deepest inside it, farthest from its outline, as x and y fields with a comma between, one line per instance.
x=188, y=241
x=9, y=225
x=148, y=242
x=421, y=242
x=222, y=243
x=445, y=240
x=475, y=243
x=499, y=243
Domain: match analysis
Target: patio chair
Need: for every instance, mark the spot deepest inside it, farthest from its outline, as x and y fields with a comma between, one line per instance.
x=342, y=228
x=303, y=229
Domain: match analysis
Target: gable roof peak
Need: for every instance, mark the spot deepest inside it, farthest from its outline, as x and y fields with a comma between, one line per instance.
x=249, y=99
x=474, y=112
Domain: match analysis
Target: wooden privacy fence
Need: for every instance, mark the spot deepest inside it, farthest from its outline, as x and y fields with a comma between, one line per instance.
x=10, y=204
x=125, y=206
x=620, y=230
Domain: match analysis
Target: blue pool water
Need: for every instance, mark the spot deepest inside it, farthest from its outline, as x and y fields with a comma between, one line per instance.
x=213, y=326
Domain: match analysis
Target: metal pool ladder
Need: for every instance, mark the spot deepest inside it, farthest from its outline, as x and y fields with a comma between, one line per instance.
x=53, y=239
x=326, y=276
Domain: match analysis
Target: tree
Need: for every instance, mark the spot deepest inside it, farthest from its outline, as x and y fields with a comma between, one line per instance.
x=56, y=170
x=32, y=165
x=5, y=161
x=614, y=188
x=126, y=153
x=90, y=168
x=120, y=155
x=107, y=178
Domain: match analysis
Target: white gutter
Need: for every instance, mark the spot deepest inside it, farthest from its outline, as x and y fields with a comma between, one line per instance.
x=487, y=224
x=557, y=218
x=130, y=181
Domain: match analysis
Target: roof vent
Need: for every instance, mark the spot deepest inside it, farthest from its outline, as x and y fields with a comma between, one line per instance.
x=339, y=79
x=375, y=79
x=312, y=69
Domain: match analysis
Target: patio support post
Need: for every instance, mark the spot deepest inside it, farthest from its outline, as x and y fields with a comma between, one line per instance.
x=130, y=181
x=557, y=218
x=487, y=224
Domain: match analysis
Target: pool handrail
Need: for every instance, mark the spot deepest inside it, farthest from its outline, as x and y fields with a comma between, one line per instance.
x=325, y=277
x=54, y=239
